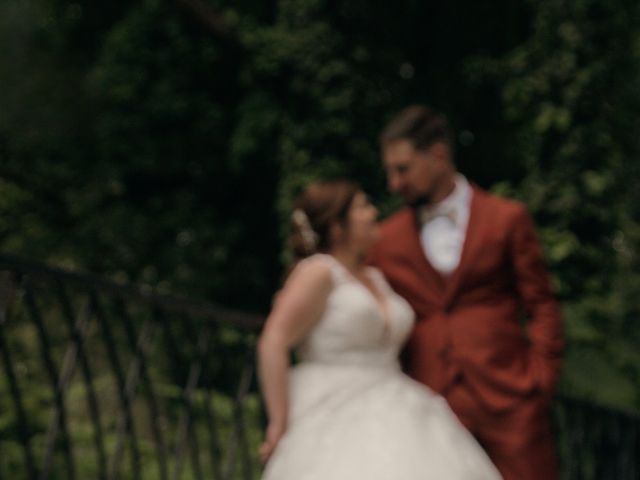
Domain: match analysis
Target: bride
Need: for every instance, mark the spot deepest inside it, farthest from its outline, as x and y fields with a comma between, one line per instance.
x=346, y=411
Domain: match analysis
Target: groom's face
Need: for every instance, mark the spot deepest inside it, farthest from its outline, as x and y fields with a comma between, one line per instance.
x=412, y=173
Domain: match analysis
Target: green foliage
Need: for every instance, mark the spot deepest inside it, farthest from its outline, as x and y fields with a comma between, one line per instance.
x=570, y=92
x=140, y=142
x=131, y=173
x=155, y=374
x=81, y=430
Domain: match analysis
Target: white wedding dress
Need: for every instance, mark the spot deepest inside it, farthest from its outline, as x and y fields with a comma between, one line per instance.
x=353, y=414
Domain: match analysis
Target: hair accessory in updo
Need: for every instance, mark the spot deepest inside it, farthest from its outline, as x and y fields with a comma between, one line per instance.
x=309, y=236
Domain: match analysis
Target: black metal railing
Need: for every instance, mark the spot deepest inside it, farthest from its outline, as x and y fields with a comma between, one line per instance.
x=596, y=443
x=104, y=381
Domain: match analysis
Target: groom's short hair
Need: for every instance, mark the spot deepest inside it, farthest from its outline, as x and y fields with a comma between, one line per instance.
x=419, y=124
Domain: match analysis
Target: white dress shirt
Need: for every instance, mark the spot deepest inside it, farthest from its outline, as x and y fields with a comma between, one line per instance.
x=444, y=227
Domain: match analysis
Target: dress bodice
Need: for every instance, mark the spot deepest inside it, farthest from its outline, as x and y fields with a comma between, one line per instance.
x=355, y=327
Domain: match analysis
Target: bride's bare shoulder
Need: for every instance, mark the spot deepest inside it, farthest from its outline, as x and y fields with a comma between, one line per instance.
x=314, y=269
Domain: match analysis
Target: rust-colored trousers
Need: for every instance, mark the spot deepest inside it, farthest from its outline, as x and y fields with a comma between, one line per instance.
x=519, y=441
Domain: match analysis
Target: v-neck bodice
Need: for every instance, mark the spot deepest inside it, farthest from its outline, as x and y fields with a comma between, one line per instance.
x=355, y=327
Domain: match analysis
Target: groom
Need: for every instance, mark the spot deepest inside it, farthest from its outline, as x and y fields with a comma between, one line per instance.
x=488, y=335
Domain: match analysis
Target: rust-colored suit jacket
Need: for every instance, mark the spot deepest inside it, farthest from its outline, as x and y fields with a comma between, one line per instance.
x=493, y=322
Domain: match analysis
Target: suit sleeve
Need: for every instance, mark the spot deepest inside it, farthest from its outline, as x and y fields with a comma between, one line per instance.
x=544, y=319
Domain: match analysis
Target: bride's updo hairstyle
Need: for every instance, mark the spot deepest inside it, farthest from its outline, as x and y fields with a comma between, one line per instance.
x=318, y=207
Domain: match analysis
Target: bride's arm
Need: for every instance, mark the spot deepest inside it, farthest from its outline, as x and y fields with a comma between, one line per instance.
x=298, y=307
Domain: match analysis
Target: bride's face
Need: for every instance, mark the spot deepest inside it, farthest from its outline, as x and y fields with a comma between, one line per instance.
x=363, y=230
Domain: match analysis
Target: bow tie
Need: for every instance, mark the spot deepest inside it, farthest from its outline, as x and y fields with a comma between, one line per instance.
x=425, y=215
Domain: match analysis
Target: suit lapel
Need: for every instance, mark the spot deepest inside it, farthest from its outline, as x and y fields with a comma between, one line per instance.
x=414, y=250
x=471, y=246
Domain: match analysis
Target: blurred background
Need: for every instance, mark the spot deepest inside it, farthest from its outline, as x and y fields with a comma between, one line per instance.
x=162, y=141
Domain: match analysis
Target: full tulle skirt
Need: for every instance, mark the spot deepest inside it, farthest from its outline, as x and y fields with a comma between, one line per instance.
x=372, y=423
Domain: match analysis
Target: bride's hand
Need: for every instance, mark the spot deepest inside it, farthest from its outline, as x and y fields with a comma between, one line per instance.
x=273, y=435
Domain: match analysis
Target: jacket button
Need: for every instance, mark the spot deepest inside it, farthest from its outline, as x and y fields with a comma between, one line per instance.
x=444, y=353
